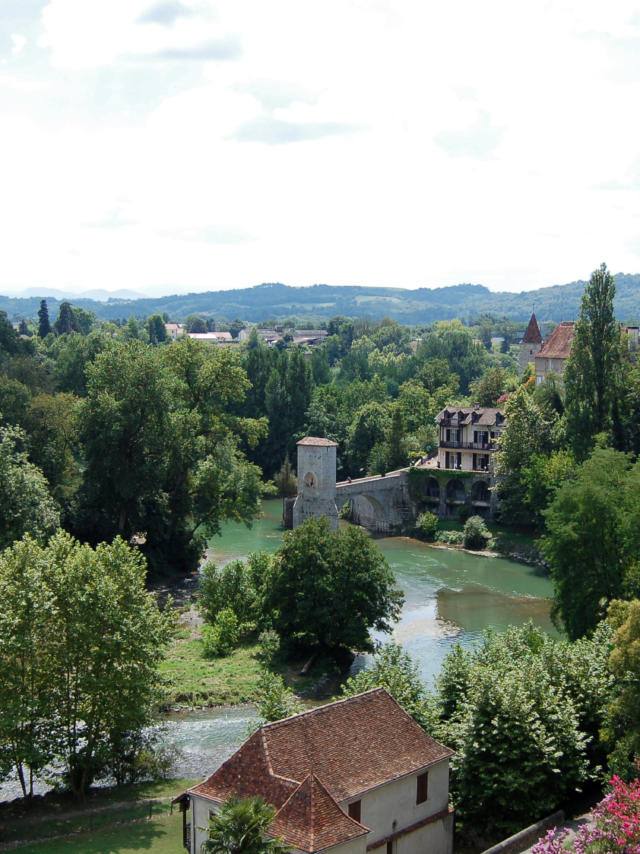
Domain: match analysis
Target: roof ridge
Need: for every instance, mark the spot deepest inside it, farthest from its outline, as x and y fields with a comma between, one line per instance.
x=318, y=709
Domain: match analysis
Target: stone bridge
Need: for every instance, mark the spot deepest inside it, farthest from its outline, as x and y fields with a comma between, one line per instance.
x=380, y=503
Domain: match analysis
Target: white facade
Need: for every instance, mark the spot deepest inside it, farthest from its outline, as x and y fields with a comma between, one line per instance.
x=389, y=811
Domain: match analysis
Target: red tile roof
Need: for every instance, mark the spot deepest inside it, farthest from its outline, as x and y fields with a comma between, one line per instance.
x=311, y=820
x=558, y=344
x=315, y=440
x=532, y=334
x=351, y=745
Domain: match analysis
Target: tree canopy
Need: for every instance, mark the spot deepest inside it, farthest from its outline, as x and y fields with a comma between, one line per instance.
x=330, y=587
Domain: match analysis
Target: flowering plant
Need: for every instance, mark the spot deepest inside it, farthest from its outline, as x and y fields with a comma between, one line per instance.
x=613, y=826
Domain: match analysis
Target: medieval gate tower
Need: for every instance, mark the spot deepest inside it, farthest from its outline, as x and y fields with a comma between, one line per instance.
x=316, y=481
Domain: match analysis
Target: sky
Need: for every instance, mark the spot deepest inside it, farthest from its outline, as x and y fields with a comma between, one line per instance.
x=191, y=145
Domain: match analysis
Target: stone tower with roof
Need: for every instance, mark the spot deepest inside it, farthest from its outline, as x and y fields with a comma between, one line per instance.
x=316, y=481
x=530, y=345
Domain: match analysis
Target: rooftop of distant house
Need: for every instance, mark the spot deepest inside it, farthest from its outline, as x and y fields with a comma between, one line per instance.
x=484, y=416
x=558, y=344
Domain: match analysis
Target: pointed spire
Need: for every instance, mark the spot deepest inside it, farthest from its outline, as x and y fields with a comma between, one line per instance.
x=532, y=335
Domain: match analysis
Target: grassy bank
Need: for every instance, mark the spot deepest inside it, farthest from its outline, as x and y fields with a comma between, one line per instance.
x=128, y=818
x=194, y=680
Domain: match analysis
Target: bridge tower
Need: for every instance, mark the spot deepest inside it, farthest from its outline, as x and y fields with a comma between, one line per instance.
x=316, y=481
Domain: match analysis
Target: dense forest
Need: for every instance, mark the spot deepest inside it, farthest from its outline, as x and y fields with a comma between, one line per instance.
x=313, y=305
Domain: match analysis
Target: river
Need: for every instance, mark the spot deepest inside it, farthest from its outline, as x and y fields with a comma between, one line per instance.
x=450, y=596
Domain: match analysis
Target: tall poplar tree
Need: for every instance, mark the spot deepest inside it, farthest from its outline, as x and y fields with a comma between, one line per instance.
x=44, y=325
x=592, y=376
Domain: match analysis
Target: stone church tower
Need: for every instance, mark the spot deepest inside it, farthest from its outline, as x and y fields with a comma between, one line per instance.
x=316, y=481
x=530, y=344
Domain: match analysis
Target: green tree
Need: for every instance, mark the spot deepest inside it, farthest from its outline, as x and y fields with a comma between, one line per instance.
x=393, y=669
x=156, y=329
x=66, y=321
x=529, y=431
x=235, y=327
x=161, y=451
x=369, y=428
x=520, y=709
x=329, y=588
x=622, y=731
x=285, y=480
x=27, y=506
x=489, y=387
x=587, y=543
x=44, y=325
x=51, y=422
x=194, y=323
x=450, y=341
x=593, y=371
x=273, y=699
x=242, y=827
x=94, y=650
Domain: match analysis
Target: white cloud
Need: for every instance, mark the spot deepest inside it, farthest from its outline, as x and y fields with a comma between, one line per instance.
x=18, y=43
x=426, y=144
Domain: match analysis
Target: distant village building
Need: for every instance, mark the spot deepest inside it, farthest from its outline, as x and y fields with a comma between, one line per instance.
x=530, y=344
x=468, y=436
x=212, y=337
x=553, y=355
x=351, y=777
x=174, y=330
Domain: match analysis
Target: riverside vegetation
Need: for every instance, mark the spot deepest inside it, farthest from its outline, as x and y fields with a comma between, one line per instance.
x=139, y=448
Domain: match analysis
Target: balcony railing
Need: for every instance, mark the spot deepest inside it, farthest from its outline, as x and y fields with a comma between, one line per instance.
x=468, y=446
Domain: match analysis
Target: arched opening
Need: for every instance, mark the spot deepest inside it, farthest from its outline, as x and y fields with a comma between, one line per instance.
x=368, y=512
x=455, y=490
x=309, y=480
x=480, y=491
x=432, y=491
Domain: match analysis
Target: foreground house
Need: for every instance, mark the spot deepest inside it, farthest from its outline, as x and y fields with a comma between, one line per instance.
x=350, y=777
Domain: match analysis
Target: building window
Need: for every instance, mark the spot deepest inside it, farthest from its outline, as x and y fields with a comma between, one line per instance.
x=422, y=792
x=390, y=847
x=354, y=810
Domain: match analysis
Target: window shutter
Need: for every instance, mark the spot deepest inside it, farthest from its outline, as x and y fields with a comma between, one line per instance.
x=422, y=792
x=354, y=810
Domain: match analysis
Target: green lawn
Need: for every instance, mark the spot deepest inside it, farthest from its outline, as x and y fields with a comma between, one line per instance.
x=161, y=835
x=109, y=829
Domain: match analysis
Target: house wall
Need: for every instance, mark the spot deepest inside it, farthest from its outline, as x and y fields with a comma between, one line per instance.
x=355, y=846
x=396, y=802
x=546, y=366
x=200, y=808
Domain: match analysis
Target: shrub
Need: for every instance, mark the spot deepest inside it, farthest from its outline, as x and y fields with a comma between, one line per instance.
x=450, y=538
x=274, y=699
x=220, y=638
x=426, y=526
x=227, y=587
x=476, y=535
x=269, y=646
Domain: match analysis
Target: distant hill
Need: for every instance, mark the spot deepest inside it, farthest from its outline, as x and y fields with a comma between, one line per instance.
x=424, y=305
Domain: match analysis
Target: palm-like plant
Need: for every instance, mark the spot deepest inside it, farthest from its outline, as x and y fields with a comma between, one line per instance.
x=240, y=827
